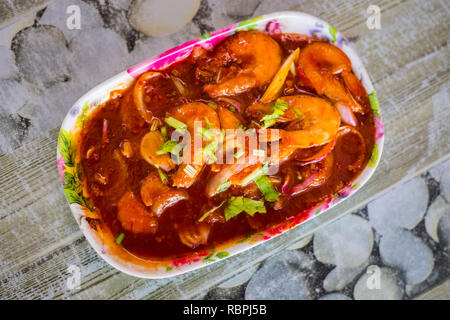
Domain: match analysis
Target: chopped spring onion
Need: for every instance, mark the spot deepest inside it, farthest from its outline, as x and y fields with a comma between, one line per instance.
x=154, y=125
x=224, y=186
x=232, y=109
x=176, y=124
x=210, y=151
x=164, y=131
x=167, y=147
x=239, y=153
x=266, y=188
x=120, y=238
x=206, y=214
x=206, y=133
x=298, y=113
x=278, y=108
x=162, y=176
x=209, y=125
x=212, y=105
x=237, y=205
x=241, y=126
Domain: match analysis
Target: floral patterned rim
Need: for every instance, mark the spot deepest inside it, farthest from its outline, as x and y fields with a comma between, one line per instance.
x=68, y=165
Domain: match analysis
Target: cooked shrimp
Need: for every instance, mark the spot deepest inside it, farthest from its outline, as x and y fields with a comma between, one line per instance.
x=194, y=235
x=168, y=199
x=318, y=119
x=134, y=217
x=320, y=62
x=138, y=94
x=192, y=115
x=151, y=188
x=312, y=122
x=313, y=175
x=228, y=119
x=246, y=60
x=150, y=144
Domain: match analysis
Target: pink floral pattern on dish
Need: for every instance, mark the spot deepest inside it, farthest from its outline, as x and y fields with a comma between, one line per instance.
x=273, y=27
x=61, y=167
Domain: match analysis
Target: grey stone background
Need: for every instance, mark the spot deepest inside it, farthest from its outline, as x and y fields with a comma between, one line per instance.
x=403, y=236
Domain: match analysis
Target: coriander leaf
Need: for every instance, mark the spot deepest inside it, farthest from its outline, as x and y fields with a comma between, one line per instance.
x=237, y=205
x=266, y=188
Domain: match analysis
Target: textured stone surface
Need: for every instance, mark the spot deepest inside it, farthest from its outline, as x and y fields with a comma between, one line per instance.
x=161, y=17
x=280, y=278
x=436, y=211
x=401, y=249
x=404, y=206
x=346, y=242
x=42, y=55
x=8, y=68
x=389, y=286
x=88, y=69
x=445, y=185
x=56, y=14
x=335, y=296
x=339, y=277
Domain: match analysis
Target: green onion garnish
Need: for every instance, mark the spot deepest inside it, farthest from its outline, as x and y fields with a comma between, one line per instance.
x=120, y=238
x=205, y=133
x=167, y=147
x=298, y=113
x=174, y=123
x=239, y=154
x=266, y=188
x=162, y=176
x=278, y=108
x=164, y=132
x=212, y=105
x=154, y=125
x=206, y=214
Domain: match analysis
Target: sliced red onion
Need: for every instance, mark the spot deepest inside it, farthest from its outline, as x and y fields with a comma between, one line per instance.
x=347, y=115
x=303, y=186
x=320, y=155
x=231, y=101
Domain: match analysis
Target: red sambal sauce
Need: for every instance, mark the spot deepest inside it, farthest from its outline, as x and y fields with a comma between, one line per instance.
x=115, y=169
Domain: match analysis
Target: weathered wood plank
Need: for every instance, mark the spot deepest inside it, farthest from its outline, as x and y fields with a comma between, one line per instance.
x=408, y=61
x=440, y=292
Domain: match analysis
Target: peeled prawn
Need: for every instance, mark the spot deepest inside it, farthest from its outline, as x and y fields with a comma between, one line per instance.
x=138, y=95
x=194, y=114
x=195, y=235
x=150, y=144
x=134, y=217
x=320, y=62
x=258, y=57
x=319, y=122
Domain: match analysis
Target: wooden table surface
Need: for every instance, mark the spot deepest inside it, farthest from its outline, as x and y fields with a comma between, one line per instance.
x=407, y=60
